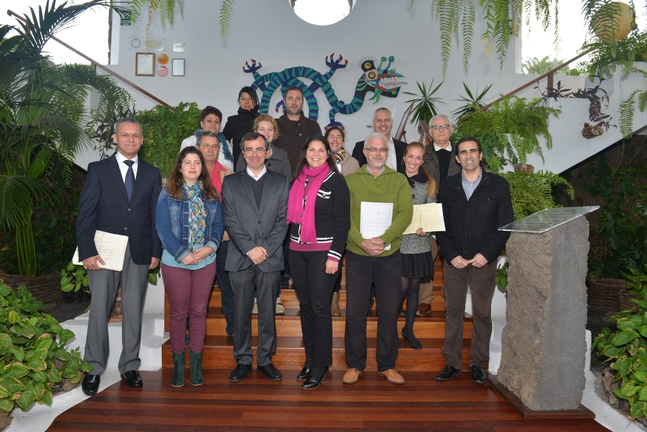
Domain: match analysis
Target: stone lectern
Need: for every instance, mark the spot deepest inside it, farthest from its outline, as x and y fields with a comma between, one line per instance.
x=543, y=343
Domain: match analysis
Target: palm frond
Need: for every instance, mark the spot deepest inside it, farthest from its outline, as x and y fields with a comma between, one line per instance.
x=225, y=16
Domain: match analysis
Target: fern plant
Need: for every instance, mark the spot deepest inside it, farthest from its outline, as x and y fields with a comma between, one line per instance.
x=509, y=131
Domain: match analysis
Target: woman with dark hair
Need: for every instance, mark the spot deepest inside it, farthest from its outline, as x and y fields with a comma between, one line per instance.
x=210, y=121
x=415, y=250
x=189, y=224
x=241, y=123
x=346, y=163
x=319, y=211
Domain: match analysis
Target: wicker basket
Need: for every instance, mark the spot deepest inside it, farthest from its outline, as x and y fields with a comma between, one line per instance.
x=624, y=301
x=603, y=293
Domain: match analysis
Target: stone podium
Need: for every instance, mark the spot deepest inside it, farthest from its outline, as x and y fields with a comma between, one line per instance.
x=543, y=343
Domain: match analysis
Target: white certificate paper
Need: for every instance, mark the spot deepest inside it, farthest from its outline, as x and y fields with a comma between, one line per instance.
x=111, y=248
x=429, y=217
x=375, y=219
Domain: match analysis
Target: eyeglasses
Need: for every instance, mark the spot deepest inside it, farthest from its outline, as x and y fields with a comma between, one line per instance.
x=250, y=150
x=439, y=127
x=377, y=149
x=335, y=137
x=210, y=147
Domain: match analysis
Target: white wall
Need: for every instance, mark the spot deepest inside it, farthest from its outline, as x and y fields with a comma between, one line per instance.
x=269, y=32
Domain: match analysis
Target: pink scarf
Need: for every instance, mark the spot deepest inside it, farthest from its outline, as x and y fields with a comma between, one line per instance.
x=297, y=214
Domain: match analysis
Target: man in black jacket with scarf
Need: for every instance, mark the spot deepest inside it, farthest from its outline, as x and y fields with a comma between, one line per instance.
x=475, y=204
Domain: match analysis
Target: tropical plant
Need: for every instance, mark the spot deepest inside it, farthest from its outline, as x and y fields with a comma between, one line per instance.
x=532, y=192
x=605, y=57
x=424, y=105
x=502, y=18
x=33, y=358
x=41, y=121
x=627, y=107
x=473, y=102
x=509, y=130
x=164, y=129
x=626, y=348
x=619, y=243
x=535, y=66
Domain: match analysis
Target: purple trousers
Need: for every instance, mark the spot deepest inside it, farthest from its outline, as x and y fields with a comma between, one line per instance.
x=188, y=295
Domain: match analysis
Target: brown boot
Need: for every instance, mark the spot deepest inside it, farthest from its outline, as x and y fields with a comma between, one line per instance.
x=334, y=305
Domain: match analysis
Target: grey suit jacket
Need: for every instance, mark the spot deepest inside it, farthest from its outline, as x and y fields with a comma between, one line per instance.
x=250, y=226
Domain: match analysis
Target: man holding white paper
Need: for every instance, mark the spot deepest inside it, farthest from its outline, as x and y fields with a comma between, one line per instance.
x=119, y=197
x=381, y=208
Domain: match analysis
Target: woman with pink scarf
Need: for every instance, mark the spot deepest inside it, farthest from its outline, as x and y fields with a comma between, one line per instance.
x=319, y=211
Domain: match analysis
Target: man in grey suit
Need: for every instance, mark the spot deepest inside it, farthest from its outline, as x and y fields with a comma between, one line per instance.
x=119, y=196
x=255, y=205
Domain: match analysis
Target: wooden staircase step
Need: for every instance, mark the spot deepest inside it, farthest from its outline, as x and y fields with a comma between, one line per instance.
x=218, y=354
x=290, y=324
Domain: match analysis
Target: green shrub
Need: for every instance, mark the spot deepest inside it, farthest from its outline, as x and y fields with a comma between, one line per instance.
x=32, y=351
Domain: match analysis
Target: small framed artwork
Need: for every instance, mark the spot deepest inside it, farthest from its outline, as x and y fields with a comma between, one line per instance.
x=177, y=67
x=144, y=64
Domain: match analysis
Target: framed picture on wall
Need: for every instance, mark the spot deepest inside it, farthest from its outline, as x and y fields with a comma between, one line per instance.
x=177, y=67
x=144, y=64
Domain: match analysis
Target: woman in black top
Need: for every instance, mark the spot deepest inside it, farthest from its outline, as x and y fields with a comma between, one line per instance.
x=241, y=123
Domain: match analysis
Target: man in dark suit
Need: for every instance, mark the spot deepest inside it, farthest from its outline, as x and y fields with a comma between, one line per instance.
x=383, y=123
x=119, y=196
x=255, y=205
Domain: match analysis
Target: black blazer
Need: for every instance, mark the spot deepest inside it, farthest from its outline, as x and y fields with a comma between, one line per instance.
x=104, y=206
x=473, y=226
x=250, y=225
x=358, y=153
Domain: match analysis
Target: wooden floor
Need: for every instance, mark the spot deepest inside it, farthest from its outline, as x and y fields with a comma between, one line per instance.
x=259, y=404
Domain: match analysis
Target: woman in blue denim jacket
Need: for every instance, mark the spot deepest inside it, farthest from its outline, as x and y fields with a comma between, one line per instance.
x=189, y=223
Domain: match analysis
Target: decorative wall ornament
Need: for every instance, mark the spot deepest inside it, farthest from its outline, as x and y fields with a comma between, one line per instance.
x=380, y=80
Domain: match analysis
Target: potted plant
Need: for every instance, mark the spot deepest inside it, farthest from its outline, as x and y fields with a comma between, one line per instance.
x=424, y=105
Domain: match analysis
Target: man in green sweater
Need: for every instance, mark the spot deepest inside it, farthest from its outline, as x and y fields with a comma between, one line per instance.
x=381, y=208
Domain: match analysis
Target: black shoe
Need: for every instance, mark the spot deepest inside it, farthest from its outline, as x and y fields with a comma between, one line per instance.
x=133, y=379
x=272, y=373
x=478, y=375
x=239, y=374
x=285, y=281
x=304, y=374
x=413, y=342
x=448, y=373
x=90, y=384
x=313, y=382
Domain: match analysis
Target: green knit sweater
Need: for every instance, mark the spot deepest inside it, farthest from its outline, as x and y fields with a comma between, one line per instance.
x=390, y=186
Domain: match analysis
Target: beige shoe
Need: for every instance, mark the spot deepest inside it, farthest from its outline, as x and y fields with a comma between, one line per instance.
x=255, y=308
x=352, y=376
x=334, y=305
x=280, y=310
x=392, y=376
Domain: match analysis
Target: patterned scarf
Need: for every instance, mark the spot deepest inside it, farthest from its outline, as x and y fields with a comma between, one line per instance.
x=224, y=145
x=301, y=204
x=338, y=157
x=197, y=214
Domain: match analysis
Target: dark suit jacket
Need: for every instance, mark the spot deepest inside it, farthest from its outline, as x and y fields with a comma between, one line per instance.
x=473, y=226
x=358, y=153
x=104, y=206
x=250, y=226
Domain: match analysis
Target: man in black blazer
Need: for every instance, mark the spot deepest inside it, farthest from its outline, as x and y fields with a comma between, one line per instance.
x=255, y=205
x=383, y=123
x=119, y=196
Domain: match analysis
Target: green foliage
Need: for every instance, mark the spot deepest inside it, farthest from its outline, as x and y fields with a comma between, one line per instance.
x=32, y=352
x=73, y=278
x=164, y=129
x=225, y=15
x=509, y=130
x=627, y=107
x=620, y=242
x=626, y=348
x=605, y=57
x=501, y=278
x=165, y=8
x=535, y=66
x=531, y=193
x=424, y=108
x=502, y=18
x=473, y=102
